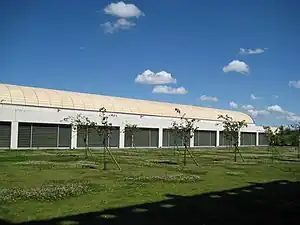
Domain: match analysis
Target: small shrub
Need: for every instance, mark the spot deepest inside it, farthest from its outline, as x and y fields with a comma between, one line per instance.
x=234, y=173
x=181, y=178
x=49, y=164
x=47, y=192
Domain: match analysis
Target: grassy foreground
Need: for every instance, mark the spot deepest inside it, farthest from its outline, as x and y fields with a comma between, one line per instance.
x=40, y=185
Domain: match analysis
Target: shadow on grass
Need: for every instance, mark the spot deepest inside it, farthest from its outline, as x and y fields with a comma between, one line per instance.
x=259, y=203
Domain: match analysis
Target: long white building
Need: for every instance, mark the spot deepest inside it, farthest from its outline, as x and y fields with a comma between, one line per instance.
x=34, y=118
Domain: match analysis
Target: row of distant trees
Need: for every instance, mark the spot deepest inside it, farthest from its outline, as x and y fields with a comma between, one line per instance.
x=284, y=135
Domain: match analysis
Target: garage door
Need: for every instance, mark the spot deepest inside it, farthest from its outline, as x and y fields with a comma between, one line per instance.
x=44, y=135
x=5, y=134
x=143, y=137
x=248, y=138
x=205, y=138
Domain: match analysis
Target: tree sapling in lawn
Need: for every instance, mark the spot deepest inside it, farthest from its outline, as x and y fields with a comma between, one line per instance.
x=231, y=132
x=185, y=129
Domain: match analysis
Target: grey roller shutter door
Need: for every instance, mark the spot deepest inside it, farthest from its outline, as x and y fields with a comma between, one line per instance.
x=205, y=138
x=253, y=138
x=81, y=133
x=94, y=140
x=44, y=135
x=5, y=134
x=165, y=137
x=222, y=140
x=128, y=141
x=213, y=138
x=65, y=133
x=171, y=139
x=114, y=139
x=142, y=138
x=248, y=138
x=154, y=137
x=263, y=139
x=24, y=135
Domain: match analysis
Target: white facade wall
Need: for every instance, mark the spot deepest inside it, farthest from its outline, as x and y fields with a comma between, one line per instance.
x=16, y=114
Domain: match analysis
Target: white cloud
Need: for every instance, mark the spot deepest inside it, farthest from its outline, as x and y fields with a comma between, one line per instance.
x=251, y=51
x=169, y=90
x=233, y=105
x=236, y=66
x=123, y=10
x=287, y=115
x=247, y=107
x=293, y=118
x=294, y=83
x=120, y=24
x=149, y=77
x=275, y=108
x=276, y=96
x=256, y=113
x=208, y=98
x=253, y=97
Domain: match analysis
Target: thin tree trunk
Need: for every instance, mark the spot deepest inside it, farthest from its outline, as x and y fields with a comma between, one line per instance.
x=104, y=155
x=184, y=159
x=235, y=154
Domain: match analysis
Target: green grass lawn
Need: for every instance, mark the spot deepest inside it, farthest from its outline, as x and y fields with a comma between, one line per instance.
x=40, y=185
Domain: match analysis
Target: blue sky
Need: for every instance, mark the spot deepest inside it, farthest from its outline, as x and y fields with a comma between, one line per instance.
x=99, y=47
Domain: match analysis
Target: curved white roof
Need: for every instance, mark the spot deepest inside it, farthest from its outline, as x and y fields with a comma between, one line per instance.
x=29, y=96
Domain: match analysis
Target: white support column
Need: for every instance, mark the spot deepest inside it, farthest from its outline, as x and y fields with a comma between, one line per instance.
x=14, y=135
x=218, y=138
x=257, y=138
x=73, y=137
x=192, y=140
x=160, y=137
x=122, y=137
x=239, y=137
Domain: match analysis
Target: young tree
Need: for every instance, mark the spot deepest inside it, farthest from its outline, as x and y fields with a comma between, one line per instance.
x=296, y=137
x=104, y=131
x=273, y=138
x=185, y=130
x=176, y=134
x=82, y=124
x=131, y=129
x=231, y=132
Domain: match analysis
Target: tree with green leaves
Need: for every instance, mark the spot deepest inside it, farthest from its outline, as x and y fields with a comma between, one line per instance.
x=273, y=138
x=231, y=132
x=81, y=124
x=176, y=134
x=131, y=130
x=104, y=131
x=185, y=129
x=296, y=137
